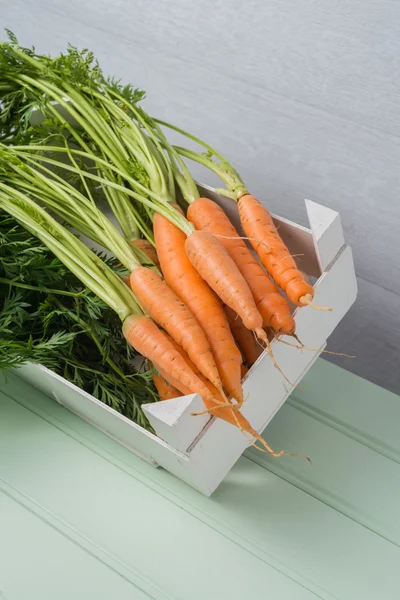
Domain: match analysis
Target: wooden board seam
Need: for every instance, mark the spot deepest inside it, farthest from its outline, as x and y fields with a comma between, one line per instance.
x=340, y=426
x=175, y=498
x=347, y=509
x=83, y=542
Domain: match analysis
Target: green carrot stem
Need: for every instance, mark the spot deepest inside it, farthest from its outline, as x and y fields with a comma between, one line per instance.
x=157, y=204
x=81, y=261
x=153, y=141
x=209, y=148
x=78, y=210
x=77, y=104
x=225, y=171
x=235, y=187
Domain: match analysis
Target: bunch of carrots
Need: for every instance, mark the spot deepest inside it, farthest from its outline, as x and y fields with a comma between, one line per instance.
x=196, y=302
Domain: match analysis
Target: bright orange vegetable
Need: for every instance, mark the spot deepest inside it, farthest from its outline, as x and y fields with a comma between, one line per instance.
x=187, y=284
x=212, y=261
x=151, y=342
x=257, y=224
x=274, y=309
x=165, y=390
x=164, y=306
x=146, y=247
x=250, y=348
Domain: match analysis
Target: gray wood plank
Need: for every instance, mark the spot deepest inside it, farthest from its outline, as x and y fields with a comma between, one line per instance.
x=322, y=54
x=304, y=100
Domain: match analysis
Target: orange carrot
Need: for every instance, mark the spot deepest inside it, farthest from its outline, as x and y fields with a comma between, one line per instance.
x=187, y=284
x=165, y=390
x=182, y=389
x=146, y=247
x=151, y=342
x=248, y=345
x=164, y=306
x=275, y=310
x=212, y=261
x=257, y=224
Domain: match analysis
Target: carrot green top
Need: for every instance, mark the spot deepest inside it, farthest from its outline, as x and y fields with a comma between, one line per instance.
x=77, y=257
x=98, y=116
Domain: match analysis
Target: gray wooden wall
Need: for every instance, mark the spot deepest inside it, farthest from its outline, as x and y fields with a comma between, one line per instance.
x=303, y=97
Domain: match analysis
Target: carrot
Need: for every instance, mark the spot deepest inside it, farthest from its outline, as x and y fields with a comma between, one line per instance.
x=146, y=247
x=165, y=390
x=212, y=261
x=182, y=389
x=230, y=415
x=257, y=224
x=151, y=342
x=274, y=309
x=187, y=284
x=164, y=306
x=248, y=345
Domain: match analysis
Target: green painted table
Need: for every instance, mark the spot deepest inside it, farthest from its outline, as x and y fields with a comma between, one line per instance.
x=82, y=518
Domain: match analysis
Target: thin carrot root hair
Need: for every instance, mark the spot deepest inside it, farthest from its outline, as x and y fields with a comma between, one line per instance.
x=307, y=300
x=271, y=354
x=223, y=394
x=286, y=257
x=267, y=448
x=243, y=237
x=297, y=339
x=236, y=406
x=303, y=347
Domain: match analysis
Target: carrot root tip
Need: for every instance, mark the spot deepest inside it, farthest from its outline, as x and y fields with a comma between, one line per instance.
x=307, y=300
x=297, y=339
x=260, y=333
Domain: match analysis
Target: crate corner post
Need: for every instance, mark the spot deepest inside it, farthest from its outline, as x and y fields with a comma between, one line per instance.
x=173, y=420
x=327, y=232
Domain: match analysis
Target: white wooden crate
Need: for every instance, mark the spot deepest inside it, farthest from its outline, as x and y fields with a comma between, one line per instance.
x=201, y=450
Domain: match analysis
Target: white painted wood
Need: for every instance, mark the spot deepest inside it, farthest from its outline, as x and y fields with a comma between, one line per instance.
x=176, y=421
x=327, y=232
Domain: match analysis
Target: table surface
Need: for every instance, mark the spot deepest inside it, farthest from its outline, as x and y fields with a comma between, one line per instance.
x=83, y=518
